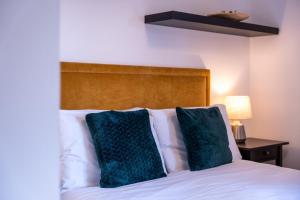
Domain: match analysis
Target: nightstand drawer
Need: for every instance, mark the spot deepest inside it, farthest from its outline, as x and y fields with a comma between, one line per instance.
x=261, y=150
x=264, y=154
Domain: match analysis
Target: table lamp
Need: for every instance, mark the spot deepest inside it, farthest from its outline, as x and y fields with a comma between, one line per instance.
x=238, y=108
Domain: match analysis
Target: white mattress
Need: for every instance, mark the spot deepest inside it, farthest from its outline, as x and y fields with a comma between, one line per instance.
x=238, y=180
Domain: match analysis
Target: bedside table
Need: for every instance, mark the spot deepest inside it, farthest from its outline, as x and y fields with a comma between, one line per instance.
x=261, y=150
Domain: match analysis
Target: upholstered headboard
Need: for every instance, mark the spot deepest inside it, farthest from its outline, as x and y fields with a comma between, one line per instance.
x=101, y=86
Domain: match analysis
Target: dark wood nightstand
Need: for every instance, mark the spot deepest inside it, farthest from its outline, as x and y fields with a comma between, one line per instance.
x=260, y=150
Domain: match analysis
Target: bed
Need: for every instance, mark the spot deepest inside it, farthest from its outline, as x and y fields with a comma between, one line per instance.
x=239, y=180
x=85, y=86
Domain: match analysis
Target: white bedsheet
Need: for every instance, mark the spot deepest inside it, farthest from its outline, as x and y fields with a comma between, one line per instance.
x=239, y=180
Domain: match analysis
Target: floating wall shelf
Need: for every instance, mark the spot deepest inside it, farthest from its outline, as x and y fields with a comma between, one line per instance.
x=210, y=24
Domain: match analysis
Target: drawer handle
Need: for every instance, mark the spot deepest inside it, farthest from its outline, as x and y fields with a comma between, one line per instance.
x=267, y=153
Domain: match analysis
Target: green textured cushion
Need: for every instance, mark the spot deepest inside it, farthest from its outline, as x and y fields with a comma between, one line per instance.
x=125, y=147
x=205, y=137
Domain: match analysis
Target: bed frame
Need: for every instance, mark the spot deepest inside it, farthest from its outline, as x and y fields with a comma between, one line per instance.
x=102, y=86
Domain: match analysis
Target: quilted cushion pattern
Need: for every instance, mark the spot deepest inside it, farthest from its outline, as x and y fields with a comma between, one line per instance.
x=125, y=147
x=205, y=137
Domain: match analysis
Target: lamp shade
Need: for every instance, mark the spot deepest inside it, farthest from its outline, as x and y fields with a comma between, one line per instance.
x=238, y=107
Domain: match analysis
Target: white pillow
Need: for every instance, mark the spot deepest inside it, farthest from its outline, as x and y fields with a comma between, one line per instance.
x=79, y=164
x=170, y=138
x=78, y=159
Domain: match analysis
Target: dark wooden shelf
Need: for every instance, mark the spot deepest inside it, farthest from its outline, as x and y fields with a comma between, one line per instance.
x=209, y=24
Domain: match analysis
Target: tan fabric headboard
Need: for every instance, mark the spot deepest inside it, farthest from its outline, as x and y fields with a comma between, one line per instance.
x=99, y=86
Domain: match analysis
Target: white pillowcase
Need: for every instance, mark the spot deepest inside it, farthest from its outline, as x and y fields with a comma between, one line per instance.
x=79, y=163
x=170, y=138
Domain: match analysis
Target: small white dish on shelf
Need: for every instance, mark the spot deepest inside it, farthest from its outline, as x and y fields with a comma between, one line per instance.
x=231, y=15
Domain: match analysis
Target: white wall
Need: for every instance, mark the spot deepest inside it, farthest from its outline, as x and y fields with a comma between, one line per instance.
x=274, y=78
x=114, y=32
x=29, y=80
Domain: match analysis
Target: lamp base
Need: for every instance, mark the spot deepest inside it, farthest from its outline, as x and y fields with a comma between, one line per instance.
x=239, y=133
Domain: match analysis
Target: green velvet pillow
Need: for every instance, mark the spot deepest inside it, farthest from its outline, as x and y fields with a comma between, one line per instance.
x=205, y=137
x=125, y=147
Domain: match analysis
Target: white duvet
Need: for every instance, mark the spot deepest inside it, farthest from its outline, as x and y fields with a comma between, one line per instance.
x=239, y=180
